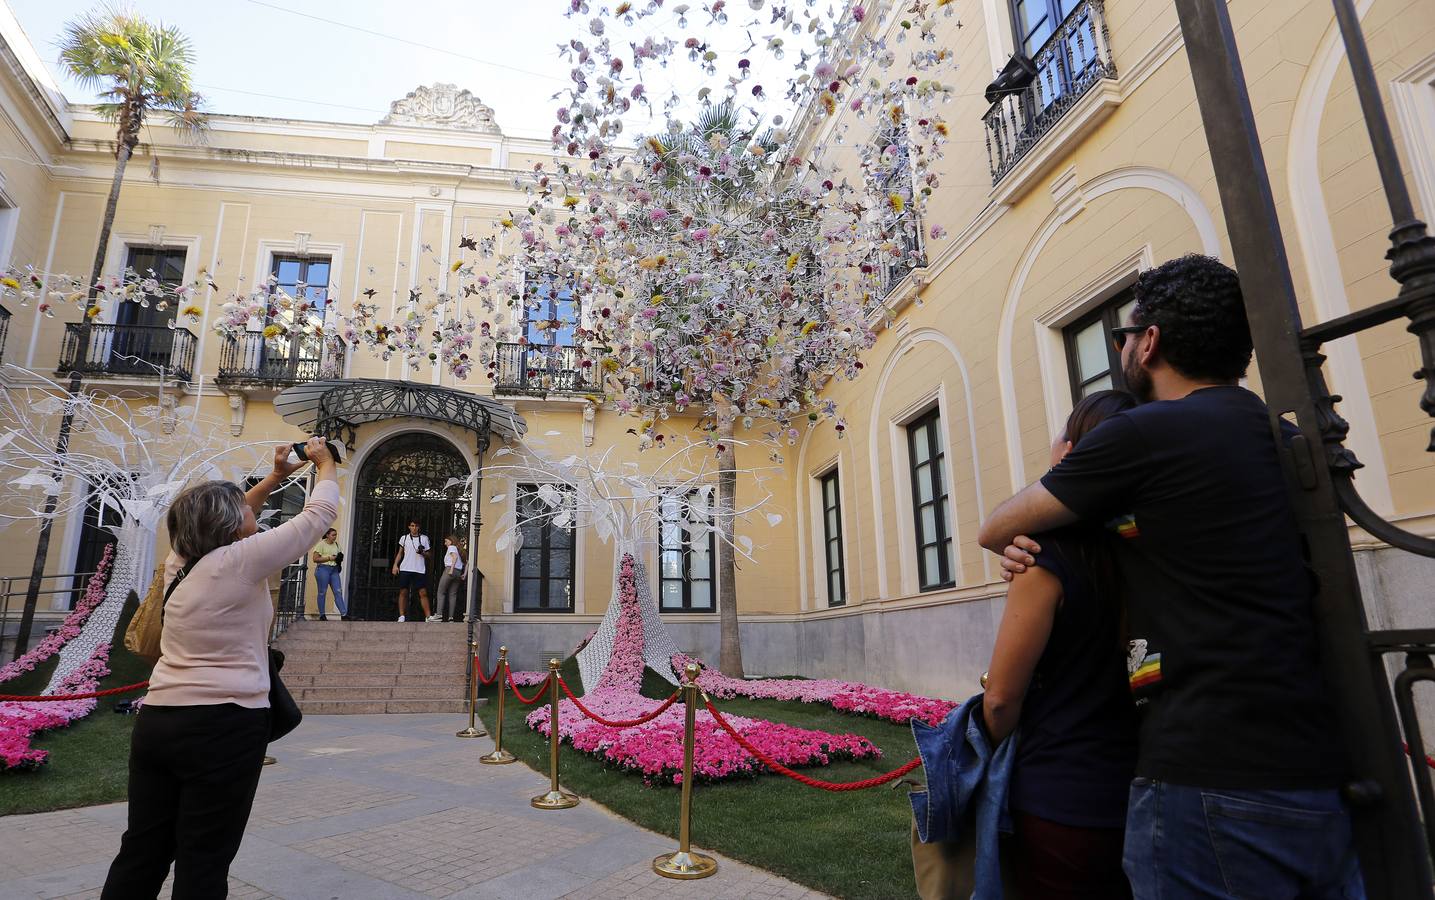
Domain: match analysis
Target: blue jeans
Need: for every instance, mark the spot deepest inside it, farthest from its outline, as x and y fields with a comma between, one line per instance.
x=329, y=577
x=1187, y=842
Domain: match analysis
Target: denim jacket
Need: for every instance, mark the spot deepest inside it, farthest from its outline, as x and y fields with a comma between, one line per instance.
x=967, y=783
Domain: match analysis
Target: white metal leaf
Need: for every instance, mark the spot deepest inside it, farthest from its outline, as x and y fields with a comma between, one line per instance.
x=563, y=519
x=502, y=451
x=498, y=498
x=773, y=519
x=553, y=433
x=7, y=437
x=39, y=480
x=454, y=482
x=744, y=543
x=549, y=495
x=504, y=541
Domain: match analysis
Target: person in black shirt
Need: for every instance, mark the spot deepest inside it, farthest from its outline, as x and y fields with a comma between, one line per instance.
x=1057, y=678
x=1239, y=757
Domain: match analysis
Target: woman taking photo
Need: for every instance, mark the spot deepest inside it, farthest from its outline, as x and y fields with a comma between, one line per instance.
x=199, y=741
x=1058, y=678
x=325, y=557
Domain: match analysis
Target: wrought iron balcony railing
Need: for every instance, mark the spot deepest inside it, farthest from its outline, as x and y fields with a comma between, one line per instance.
x=1070, y=63
x=249, y=358
x=129, y=350
x=541, y=369
x=4, y=329
x=891, y=266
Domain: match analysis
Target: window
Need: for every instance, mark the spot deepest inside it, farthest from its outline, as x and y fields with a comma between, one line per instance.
x=550, y=311
x=165, y=265
x=311, y=271
x=929, y=502
x=1035, y=21
x=893, y=175
x=1091, y=355
x=544, y=564
x=687, y=548
x=102, y=513
x=832, y=538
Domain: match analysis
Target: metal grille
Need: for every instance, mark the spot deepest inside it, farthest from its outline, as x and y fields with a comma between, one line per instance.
x=406, y=478
x=134, y=350
x=250, y=358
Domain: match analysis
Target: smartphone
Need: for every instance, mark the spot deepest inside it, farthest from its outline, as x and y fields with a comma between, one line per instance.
x=299, y=454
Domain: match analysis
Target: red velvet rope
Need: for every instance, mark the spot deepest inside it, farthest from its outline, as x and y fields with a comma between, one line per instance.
x=1429, y=760
x=774, y=765
x=137, y=686
x=519, y=694
x=478, y=667
x=618, y=723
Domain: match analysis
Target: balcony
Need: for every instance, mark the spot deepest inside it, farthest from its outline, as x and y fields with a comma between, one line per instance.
x=892, y=265
x=4, y=330
x=538, y=369
x=143, y=351
x=250, y=359
x=1074, y=59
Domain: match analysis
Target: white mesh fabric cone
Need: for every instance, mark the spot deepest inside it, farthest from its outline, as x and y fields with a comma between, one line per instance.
x=658, y=643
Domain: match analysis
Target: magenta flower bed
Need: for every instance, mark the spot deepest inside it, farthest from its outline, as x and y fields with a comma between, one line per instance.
x=655, y=748
x=70, y=628
x=844, y=696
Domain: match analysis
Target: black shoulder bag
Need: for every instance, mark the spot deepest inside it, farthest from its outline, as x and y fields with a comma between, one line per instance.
x=284, y=713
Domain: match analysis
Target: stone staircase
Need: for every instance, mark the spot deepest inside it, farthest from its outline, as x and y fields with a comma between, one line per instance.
x=376, y=667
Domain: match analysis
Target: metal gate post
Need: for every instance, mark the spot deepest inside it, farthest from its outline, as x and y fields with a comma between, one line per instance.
x=1388, y=834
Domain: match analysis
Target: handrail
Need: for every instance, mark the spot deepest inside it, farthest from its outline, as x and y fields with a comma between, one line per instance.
x=251, y=357
x=101, y=348
x=541, y=369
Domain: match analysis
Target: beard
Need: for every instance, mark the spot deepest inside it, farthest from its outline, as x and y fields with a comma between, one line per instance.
x=1138, y=380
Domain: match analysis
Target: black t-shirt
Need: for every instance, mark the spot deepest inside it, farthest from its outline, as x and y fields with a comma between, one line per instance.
x=1076, y=751
x=1223, y=659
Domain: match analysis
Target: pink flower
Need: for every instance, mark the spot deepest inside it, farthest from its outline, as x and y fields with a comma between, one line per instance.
x=657, y=215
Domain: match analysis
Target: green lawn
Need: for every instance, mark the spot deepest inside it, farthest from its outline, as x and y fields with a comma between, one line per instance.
x=852, y=845
x=89, y=760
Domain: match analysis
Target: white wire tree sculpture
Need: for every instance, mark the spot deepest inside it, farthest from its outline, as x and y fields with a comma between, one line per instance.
x=125, y=454
x=631, y=506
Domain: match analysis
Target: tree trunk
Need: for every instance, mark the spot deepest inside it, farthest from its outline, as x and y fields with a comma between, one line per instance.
x=730, y=655
x=122, y=158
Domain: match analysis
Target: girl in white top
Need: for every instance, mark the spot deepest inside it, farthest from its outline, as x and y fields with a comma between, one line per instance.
x=450, y=582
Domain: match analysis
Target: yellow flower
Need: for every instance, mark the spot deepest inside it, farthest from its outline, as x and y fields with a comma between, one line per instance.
x=793, y=260
x=457, y=264
x=766, y=403
x=897, y=203
x=942, y=129
x=570, y=201
x=192, y=311
x=645, y=425
x=808, y=328
x=622, y=9
x=92, y=312
x=829, y=103
x=272, y=331
x=609, y=364
x=10, y=283
x=648, y=263
x=506, y=222
x=657, y=299
x=656, y=146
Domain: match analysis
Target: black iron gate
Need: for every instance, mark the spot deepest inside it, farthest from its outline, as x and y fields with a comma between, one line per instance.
x=1394, y=858
x=412, y=476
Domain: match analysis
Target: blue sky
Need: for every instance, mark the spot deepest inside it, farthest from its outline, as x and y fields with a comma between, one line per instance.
x=258, y=57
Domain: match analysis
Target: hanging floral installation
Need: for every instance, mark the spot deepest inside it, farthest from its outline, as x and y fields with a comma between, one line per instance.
x=21, y=721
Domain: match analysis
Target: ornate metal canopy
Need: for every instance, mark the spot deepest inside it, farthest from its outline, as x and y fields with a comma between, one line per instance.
x=338, y=408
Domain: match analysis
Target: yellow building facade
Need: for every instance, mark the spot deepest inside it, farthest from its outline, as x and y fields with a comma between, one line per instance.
x=1051, y=201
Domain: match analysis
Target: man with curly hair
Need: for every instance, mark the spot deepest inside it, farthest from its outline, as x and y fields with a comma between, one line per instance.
x=1239, y=760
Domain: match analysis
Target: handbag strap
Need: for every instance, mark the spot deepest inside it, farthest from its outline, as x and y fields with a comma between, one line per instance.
x=178, y=577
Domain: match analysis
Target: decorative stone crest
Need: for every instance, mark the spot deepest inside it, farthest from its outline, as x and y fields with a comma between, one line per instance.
x=441, y=106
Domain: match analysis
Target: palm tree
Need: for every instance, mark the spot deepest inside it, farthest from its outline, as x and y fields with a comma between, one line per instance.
x=139, y=68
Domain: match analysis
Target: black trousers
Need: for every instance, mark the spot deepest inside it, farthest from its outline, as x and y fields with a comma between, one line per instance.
x=193, y=772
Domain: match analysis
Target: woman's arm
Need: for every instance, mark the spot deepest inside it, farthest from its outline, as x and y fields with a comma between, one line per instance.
x=256, y=496
x=265, y=553
x=1031, y=604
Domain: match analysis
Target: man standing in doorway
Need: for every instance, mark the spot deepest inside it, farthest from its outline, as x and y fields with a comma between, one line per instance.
x=411, y=566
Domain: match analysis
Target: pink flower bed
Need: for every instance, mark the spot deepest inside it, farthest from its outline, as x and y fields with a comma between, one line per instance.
x=844, y=696
x=70, y=628
x=21, y=721
x=528, y=679
x=655, y=748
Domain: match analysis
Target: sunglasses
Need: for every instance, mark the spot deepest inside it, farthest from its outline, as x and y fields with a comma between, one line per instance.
x=1118, y=335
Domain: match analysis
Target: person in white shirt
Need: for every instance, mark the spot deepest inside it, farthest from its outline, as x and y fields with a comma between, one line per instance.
x=411, y=566
x=450, y=583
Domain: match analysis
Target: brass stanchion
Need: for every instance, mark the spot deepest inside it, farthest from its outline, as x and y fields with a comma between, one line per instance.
x=269, y=760
x=472, y=731
x=555, y=798
x=685, y=863
x=500, y=756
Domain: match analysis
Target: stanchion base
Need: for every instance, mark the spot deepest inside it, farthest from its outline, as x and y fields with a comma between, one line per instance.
x=471, y=732
x=555, y=800
x=269, y=760
x=498, y=758
x=685, y=865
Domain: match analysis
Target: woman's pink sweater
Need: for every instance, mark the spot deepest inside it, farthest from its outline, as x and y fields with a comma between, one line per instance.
x=214, y=647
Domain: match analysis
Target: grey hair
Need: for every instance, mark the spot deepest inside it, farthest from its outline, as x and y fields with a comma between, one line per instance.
x=205, y=517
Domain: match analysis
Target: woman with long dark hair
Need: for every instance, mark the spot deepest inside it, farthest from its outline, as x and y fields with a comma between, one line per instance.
x=1058, y=679
x=199, y=741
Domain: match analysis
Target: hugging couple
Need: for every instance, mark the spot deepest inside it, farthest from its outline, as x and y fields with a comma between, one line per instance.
x=1157, y=654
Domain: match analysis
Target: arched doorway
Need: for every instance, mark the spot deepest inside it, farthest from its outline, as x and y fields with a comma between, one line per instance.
x=406, y=477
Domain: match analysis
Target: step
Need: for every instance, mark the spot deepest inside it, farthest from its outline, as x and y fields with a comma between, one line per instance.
x=392, y=692
x=377, y=707
x=411, y=627
x=372, y=679
x=446, y=666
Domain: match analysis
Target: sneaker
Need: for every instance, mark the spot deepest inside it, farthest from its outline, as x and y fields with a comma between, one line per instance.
x=434, y=619
x=323, y=618
x=401, y=618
